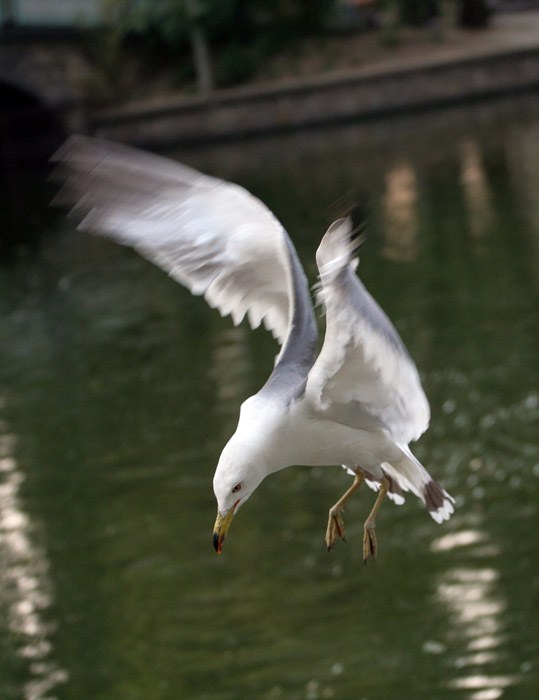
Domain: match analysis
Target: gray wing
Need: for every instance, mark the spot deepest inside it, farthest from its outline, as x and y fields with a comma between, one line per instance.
x=363, y=377
x=212, y=236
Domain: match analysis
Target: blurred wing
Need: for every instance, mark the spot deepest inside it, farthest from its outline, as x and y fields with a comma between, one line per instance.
x=211, y=236
x=363, y=376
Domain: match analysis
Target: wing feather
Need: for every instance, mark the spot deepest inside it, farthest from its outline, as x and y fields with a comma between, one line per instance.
x=363, y=377
x=213, y=237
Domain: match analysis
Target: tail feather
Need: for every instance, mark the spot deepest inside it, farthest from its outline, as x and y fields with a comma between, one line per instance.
x=408, y=474
x=394, y=492
x=410, y=471
x=438, y=501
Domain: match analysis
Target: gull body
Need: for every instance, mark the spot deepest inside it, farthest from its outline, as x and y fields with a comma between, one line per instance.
x=283, y=435
x=358, y=402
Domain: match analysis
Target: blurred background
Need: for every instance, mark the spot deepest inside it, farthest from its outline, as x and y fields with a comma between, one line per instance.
x=118, y=389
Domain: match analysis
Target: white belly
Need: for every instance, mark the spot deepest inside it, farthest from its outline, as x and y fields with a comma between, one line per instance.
x=305, y=439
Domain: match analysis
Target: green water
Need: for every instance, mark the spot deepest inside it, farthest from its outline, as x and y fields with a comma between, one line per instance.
x=118, y=390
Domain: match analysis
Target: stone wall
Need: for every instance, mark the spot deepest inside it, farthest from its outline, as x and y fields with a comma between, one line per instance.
x=255, y=110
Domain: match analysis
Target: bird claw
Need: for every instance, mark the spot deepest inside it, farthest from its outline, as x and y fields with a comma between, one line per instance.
x=370, y=547
x=335, y=528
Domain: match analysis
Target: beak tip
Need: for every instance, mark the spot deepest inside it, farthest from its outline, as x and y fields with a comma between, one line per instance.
x=220, y=529
x=217, y=542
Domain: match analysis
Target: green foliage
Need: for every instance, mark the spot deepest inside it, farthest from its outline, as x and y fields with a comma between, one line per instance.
x=239, y=33
x=414, y=12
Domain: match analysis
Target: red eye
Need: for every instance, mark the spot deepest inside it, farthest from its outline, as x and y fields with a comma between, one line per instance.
x=236, y=488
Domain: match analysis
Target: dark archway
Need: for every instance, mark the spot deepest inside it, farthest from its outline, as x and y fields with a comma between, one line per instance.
x=29, y=135
x=29, y=130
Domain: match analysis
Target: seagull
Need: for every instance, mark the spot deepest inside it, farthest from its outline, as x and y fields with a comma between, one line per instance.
x=358, y=402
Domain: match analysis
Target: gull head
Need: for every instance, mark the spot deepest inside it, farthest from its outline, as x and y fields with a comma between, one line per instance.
x=238, y=474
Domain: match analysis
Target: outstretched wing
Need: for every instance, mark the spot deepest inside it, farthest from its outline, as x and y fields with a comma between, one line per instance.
x=363, y=376
x=212, y=236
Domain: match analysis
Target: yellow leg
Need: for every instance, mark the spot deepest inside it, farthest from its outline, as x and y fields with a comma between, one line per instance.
x=335, y=523
x=370, y=547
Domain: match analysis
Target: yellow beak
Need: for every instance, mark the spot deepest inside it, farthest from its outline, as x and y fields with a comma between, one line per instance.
x=220, y=529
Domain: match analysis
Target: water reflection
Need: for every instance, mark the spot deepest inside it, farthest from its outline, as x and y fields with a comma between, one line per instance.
x=522, y=151
x=475, y=187
x=25, y=588
x=477, y=610
x=400, y=215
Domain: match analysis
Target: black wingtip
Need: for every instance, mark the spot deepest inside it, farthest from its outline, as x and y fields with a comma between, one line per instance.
x=358, y=214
